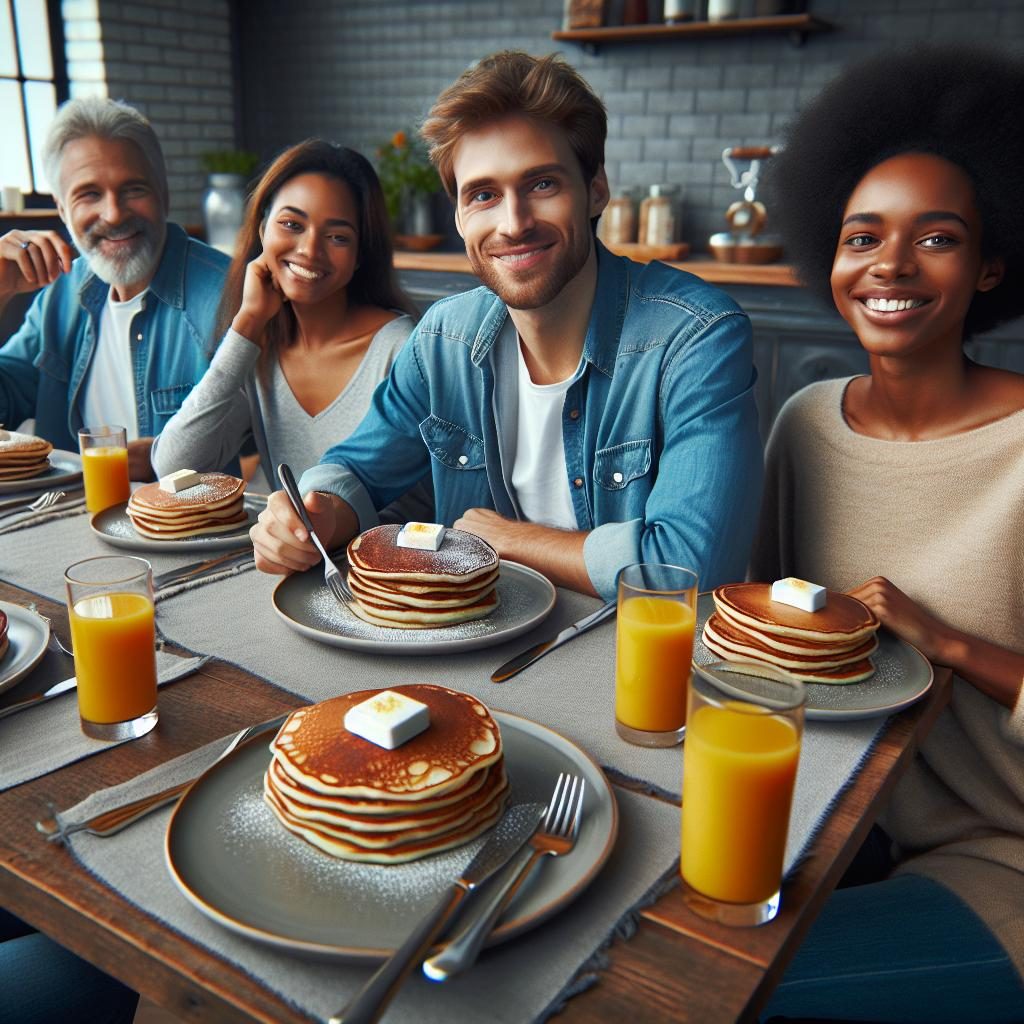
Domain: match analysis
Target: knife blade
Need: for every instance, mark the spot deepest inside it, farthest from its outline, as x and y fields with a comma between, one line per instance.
x=54, y=691
x=508, y=836
x=198, y=569
x=528, y=657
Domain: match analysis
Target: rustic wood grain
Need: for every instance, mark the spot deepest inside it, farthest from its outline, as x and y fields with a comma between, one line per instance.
x=676, y=968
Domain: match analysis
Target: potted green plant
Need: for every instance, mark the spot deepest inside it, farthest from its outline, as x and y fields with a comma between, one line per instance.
x=409, y=181
x=228, y=172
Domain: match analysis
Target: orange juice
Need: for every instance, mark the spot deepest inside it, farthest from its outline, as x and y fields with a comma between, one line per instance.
x=739, y=767
x=653, y=651
x=115, y=659
x=105, y=472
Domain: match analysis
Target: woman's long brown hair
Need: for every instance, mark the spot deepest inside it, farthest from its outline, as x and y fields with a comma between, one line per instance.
x=373, y=282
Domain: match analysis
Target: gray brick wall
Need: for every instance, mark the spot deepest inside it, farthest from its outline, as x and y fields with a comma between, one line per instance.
x=173, y=60
x=357, y=71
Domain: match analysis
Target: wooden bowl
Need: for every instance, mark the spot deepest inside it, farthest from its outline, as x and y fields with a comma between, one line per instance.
x=418, y=243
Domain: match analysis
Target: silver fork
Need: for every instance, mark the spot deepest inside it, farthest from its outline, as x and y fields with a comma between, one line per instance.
x=336, y=582
x=555, y=837
x=109, y=822
x=41, y=504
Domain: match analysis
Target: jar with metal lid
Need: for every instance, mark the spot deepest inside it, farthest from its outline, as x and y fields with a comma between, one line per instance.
x=657, y=217
x=618, y=222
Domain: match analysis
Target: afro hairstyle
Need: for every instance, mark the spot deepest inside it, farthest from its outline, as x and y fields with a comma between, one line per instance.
x=960, y=103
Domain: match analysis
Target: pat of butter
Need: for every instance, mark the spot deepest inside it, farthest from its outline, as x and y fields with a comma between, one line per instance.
x=808, y=597
x=179, y=480
x=422, y=536
x=4, y=435
x=388, y=719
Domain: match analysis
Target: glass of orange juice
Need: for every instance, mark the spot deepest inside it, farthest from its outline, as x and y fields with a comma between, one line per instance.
x=110, y=605
x=653, y=650
x=739, y=768
x=104, y=466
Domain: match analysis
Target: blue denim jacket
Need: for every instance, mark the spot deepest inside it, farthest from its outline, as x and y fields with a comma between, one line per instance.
x=44, y=364
x=660, y=433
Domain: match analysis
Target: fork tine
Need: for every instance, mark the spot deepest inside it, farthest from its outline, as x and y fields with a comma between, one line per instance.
x=577, y=816
x=552, y=811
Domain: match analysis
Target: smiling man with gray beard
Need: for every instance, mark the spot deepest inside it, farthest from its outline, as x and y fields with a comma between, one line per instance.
x=121, y=334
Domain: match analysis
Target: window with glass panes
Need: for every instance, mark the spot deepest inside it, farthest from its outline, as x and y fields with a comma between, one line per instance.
x=33, y=80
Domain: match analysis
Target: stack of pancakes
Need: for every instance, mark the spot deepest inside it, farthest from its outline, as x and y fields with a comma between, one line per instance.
x=4, y=642
x=358, y=801
x=23, y=456
x=830, y=645
x=408, y=588
x=214, y=505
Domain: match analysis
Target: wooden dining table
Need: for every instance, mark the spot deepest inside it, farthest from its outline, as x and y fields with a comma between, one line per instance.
x=675, y=966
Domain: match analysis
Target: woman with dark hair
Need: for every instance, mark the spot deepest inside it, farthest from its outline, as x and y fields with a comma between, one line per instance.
x=897, y=197
x=311, y=314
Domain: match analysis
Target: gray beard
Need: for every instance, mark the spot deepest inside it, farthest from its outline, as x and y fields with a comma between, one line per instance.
x=138, y=266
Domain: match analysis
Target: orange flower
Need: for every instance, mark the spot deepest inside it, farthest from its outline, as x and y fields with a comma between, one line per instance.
x=398, y=140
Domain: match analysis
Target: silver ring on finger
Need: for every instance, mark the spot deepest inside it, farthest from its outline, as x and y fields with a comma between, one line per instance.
x=25, y=245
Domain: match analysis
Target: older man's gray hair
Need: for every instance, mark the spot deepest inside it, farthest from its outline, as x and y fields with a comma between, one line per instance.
x=95, y=116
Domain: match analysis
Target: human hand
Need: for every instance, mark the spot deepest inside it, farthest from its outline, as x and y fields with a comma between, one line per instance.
x=486, y=524
x=139, y=465
x=908, y=620
x=282, y=543
x=261, y=300
x=30, y=260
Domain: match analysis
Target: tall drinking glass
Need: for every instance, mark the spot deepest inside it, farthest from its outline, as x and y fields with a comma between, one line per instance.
x=104, y=466
x=110, y=604
x=739, y=767
x=653, y=651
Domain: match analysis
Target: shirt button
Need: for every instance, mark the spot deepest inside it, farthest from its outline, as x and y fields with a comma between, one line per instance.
x=578, y=482
x=138, y=337
x=574, y=414
x=463, y=459
x=617, y=477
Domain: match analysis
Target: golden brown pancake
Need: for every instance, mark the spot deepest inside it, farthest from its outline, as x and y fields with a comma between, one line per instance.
x=843, y=619
x=214, y=505
x=830, y=645
x=359, y=801
x=406, y=588
x=23, y=456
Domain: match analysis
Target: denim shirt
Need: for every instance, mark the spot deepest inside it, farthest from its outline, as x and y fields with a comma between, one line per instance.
x=660, y=434
x=45, y=363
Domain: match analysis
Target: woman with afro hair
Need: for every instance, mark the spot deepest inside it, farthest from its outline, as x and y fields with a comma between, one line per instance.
x=899, y=197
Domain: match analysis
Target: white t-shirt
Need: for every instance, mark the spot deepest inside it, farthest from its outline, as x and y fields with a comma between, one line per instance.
x=539, y=476
x=109, y=394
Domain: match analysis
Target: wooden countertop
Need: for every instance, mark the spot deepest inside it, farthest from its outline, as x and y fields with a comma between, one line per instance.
x=710, y=270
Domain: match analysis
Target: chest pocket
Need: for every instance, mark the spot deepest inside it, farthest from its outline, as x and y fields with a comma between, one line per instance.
x=167, y=401
x=53, y=366
x=617, y=466
x=451, y=445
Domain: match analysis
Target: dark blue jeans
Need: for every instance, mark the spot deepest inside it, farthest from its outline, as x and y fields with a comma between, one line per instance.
x=905, y=950
x=42, y=983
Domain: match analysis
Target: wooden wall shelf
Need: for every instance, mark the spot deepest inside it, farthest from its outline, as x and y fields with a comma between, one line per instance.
x=797, y=25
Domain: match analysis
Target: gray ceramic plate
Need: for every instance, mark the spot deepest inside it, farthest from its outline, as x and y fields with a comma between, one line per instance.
x=27, y=634
x=240, y=867
x=65, y=468
x=113, y=526
x=902, y=676
x=305, y=603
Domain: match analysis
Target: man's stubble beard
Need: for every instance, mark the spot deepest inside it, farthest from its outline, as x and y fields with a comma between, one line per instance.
x=539, y=292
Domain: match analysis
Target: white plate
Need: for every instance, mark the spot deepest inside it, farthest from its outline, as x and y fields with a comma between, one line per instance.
x=113, y=526
x=28, y=634
x=240, y=867
x=902, y=675
x=305, y=603
x=65, y=468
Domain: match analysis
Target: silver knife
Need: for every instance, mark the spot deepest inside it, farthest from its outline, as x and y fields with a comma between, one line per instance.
x=197, y=569
x=54, y=691
x=508, y=837
x=528, y=657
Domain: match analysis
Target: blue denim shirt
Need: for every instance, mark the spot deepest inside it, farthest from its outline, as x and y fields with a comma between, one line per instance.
x=44, y=364
x=660, y=435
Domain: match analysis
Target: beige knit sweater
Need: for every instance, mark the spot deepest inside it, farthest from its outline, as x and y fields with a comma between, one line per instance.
x=944, y=521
